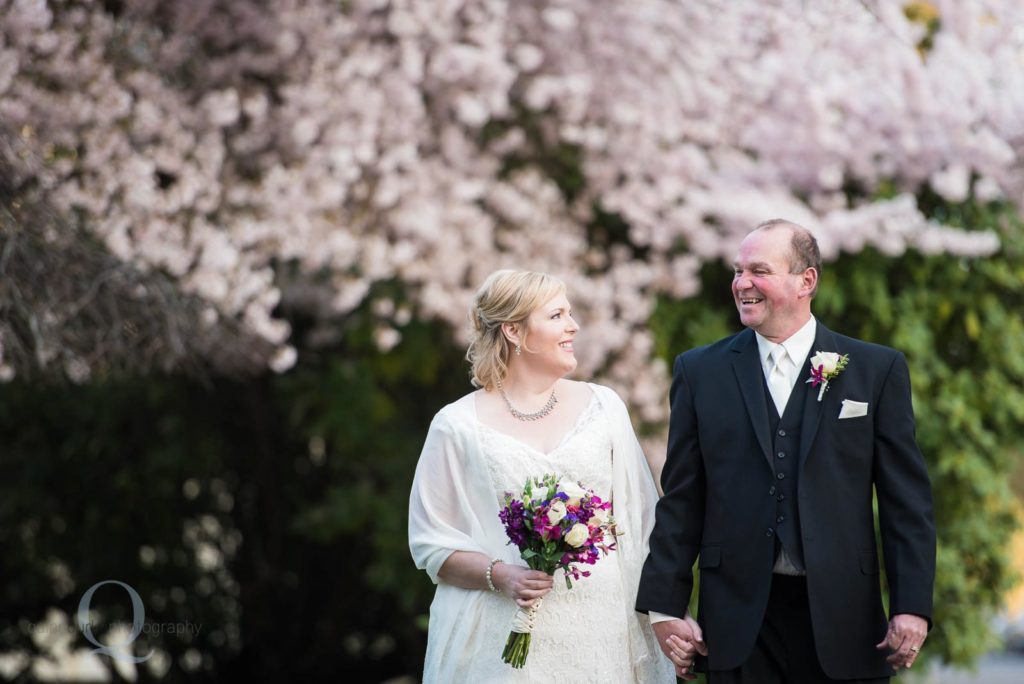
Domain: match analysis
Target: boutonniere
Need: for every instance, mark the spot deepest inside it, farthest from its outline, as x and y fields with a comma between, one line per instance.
x=826, y=366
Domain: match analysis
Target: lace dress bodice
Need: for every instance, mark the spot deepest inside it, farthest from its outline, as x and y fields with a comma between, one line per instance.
x=584, y=455
x=580, y=635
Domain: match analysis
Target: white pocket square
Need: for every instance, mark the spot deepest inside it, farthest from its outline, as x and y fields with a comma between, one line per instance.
x=853, y=409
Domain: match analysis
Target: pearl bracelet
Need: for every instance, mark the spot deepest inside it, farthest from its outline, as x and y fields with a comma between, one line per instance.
x=490, y=569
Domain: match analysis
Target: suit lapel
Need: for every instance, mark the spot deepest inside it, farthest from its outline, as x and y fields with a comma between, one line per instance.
x=750, y=376
x=824, y=340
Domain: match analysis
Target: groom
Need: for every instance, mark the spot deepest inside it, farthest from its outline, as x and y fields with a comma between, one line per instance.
x=768, y=486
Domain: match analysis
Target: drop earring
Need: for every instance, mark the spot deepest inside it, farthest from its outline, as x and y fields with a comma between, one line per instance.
x=519, y=351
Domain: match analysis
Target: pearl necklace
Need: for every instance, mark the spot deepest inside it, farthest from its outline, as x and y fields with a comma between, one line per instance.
x=544, y=410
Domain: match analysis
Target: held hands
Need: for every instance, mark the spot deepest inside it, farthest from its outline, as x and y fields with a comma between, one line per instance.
x=905, y=637
x=681, y=641
x=524, y=585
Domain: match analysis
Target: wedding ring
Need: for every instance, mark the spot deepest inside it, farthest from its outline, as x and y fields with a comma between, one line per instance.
x=915, y=649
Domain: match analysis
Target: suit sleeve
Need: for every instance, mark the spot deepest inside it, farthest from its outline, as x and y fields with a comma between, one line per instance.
x=667, y=578
x=904, y=498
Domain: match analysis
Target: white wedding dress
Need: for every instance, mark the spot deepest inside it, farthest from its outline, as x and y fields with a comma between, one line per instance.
x=579, y=633
x=585, y=634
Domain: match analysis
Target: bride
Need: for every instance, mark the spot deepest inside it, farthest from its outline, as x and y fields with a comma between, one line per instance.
x=524, y=421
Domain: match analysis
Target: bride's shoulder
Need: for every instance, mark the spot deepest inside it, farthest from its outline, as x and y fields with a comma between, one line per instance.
x=458, y=411
x=576, y=388
x=605, y=395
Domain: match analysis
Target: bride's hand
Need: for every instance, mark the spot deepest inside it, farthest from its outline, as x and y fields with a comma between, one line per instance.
x=525, y=586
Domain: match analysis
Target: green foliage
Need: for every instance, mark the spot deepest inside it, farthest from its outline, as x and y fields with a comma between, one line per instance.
x=308, y=473
x=363, y=415
x=97, y=485
x=959, y=323
x=926, y=14
x=371, y=411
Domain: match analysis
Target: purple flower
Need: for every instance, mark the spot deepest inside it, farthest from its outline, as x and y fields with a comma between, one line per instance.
x=512, y=517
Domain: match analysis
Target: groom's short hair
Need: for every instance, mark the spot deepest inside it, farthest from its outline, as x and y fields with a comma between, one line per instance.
x=804, y=248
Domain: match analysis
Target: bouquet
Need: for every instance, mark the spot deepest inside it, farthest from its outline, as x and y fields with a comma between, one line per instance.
x=556, y=524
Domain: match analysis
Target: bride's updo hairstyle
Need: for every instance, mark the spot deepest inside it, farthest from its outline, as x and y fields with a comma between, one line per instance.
x=507, y=296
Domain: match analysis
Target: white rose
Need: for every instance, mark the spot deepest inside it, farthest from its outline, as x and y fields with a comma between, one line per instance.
x=556, y=511
x=600, y=517
x=827, y=360
x=577, y=535
x=573, y=491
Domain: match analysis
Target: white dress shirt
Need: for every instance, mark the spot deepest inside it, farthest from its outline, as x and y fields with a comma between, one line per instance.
x=797, y=347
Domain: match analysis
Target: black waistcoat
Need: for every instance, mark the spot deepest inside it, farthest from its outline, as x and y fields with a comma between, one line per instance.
x=785, y=434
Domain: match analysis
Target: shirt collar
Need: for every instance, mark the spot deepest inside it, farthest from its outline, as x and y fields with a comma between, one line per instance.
x=798, y=345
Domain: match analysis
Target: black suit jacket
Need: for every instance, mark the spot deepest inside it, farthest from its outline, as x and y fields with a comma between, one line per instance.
x=717, y=504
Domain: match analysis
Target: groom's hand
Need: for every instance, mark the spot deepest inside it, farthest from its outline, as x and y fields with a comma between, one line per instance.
x=905, y=636
x=681, y=641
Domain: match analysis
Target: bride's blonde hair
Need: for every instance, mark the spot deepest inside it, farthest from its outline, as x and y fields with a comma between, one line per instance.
x=506, y=296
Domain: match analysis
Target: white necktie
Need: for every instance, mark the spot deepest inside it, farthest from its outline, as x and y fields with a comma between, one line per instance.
x=778, y=381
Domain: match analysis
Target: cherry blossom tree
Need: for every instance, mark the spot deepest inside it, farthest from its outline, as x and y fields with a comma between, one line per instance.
x=298, y=153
